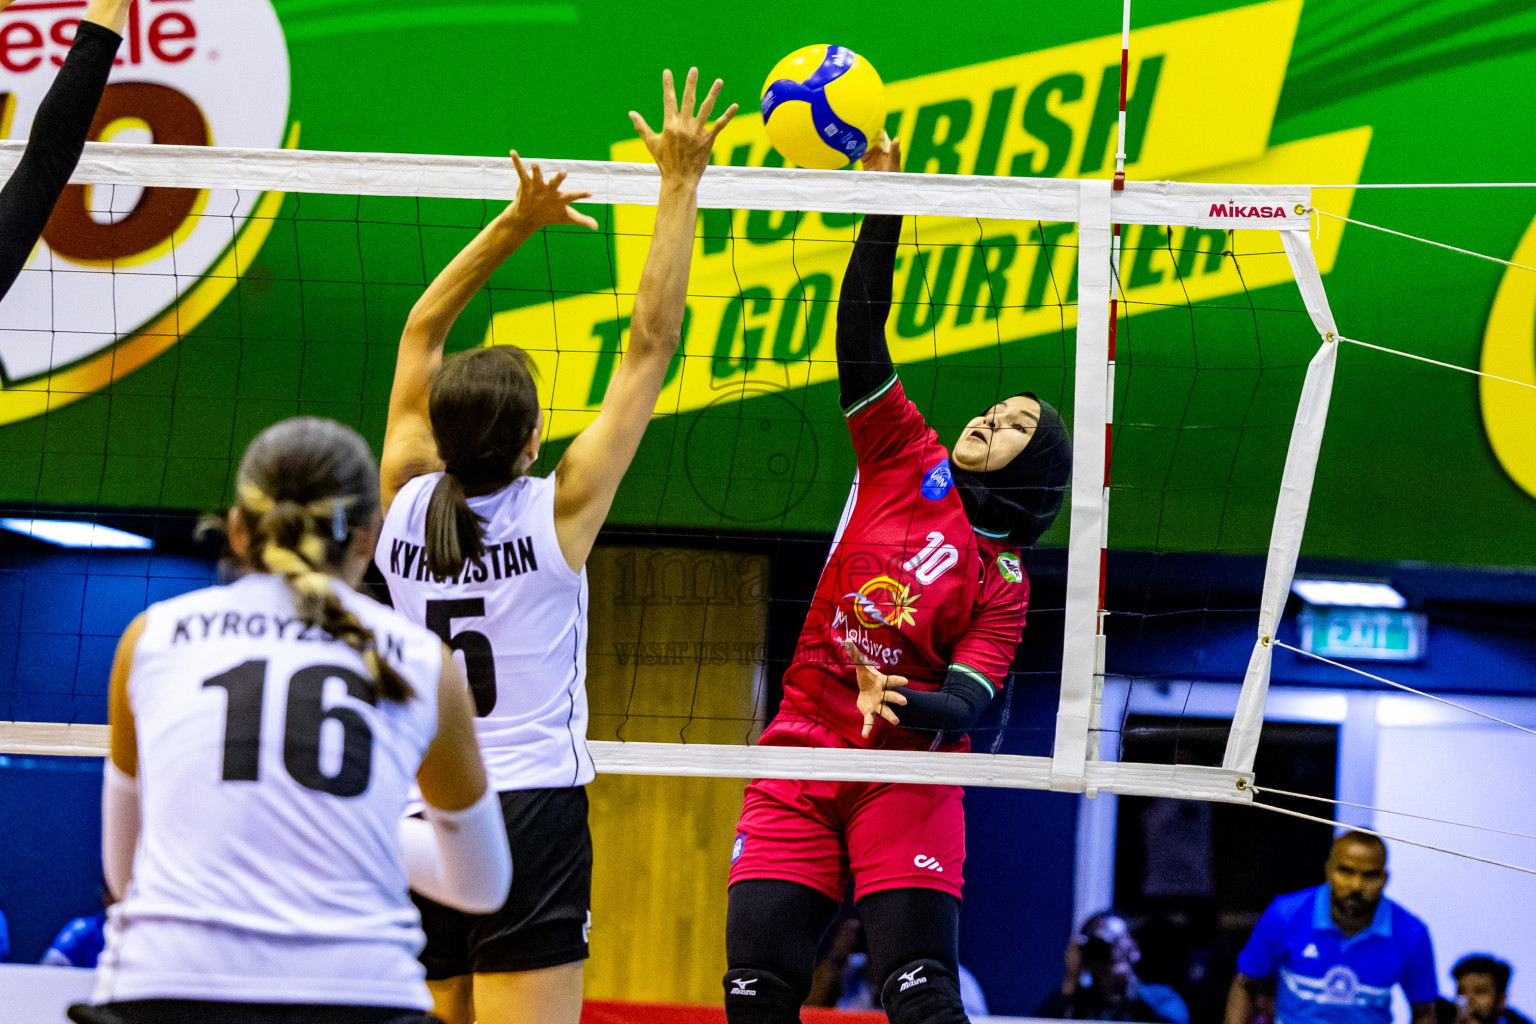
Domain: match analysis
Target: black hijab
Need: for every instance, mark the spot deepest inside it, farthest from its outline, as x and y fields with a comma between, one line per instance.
x=1022, y=498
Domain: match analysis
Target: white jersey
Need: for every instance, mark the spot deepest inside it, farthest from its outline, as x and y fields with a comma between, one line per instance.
x=517, y=619
x=271, y=791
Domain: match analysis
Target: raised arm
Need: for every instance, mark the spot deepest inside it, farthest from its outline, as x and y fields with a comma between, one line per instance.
x=589, y=474
x=864, y=304
x=409, y=448
x=59, y=131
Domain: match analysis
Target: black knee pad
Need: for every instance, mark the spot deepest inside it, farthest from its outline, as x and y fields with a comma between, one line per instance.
x=923, y=992
x=760, y=997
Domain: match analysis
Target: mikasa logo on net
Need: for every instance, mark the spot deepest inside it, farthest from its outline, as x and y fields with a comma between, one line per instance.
x=121, y=262
x=1238, y=210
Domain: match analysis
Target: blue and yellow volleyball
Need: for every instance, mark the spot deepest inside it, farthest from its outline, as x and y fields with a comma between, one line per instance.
x=823, y=106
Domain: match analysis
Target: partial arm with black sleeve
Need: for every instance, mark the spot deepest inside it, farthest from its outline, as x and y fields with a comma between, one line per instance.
x=58, y=136
x=863, y=359
x=954, y=707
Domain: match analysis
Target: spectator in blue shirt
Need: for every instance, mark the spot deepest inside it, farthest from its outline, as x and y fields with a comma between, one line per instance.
x=1337, y=950
x=1482, y=991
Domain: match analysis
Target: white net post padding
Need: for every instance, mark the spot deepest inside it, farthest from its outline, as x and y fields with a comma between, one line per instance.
x=1089, y=203
x=1291, y=509
x=1080, y=657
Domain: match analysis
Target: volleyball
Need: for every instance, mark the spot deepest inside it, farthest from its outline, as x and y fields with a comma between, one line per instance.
x=823, y=106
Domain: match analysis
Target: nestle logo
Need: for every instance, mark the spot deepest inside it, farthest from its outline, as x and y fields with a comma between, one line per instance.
x=170, y=37
x=1233, y=210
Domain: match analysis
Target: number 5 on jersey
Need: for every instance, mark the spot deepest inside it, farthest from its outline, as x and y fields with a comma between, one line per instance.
x=479, y=657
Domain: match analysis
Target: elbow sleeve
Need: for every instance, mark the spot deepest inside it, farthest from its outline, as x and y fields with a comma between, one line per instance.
x=954, y=707
x=459, y=858
x=119, y=827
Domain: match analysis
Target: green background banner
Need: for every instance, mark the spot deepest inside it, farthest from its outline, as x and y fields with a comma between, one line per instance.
x=1419, y=463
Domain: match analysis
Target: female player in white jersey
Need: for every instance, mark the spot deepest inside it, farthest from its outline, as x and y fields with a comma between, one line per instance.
x=264, y=739
x=492, y=560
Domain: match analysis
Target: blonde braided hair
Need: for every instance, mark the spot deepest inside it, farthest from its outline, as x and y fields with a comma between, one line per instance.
x=302, y=542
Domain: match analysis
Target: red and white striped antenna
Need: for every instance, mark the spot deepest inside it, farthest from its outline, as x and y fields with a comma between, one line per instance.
x=1125, y=72
x=1095, y=723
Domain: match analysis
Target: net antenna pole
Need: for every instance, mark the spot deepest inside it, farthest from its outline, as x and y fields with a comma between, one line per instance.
x=1295, y=497
x=1096, y=709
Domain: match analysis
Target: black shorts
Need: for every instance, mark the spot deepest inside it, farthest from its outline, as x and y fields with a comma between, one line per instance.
x=545, y=920
x=201, y=1011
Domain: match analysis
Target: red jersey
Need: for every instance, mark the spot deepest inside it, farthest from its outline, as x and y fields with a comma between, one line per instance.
x=909, y=581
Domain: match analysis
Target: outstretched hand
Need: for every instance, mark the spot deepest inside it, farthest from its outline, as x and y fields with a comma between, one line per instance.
x=884, y=154
x=877, y=690
x=109, y=14
x=682, y=148
x=541, y=202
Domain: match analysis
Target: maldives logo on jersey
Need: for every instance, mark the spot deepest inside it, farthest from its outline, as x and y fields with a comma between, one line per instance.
x=883, y=602
x=123, y=273
x=938, y=481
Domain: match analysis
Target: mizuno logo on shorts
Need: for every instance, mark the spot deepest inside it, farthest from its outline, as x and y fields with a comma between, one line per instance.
x=743, y=986
x=911, y=978
x=922, y=860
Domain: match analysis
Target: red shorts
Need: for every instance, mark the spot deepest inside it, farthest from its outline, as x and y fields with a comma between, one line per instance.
x=885, y=835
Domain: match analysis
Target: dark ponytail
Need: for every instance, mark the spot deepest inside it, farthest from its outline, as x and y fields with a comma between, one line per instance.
x=484, y=408
x=455, y=532
x=304, y=485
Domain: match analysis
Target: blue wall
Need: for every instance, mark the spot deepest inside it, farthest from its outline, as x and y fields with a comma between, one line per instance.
x=61, y=613
x=50, y=847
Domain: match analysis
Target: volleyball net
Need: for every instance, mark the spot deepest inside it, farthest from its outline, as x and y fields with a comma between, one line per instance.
x=199, y=294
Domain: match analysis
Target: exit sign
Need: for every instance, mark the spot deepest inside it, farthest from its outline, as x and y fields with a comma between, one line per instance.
x=1370, y=634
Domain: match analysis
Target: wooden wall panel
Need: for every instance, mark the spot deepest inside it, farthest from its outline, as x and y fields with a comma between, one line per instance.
x=662, y=852
x=675, y=653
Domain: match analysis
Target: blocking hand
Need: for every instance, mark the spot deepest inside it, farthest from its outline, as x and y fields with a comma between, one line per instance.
x=682, y=148
x=541, y=202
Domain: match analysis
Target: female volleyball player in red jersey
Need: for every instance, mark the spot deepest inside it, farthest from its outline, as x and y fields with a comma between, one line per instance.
x=911, y=631
x=494, y=560
x=264, y=739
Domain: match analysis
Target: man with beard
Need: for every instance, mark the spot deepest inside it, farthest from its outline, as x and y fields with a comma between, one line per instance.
x=1338, y=949
x=1482, y=991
